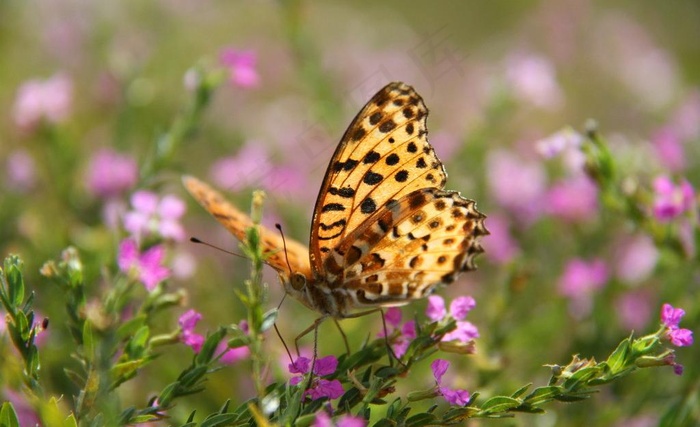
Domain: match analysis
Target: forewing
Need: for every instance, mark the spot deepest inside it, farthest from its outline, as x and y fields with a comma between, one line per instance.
x=383, y=156
x=408, y=248
x=237, y=222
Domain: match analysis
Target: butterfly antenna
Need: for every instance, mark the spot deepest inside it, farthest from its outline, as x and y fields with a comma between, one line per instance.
x=196, y=240
x=284, y=245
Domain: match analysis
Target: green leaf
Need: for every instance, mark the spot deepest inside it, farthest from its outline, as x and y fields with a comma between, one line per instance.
x=500, y=404
x=421, y=420
x=15, y=281
x=519, y=392
x=240, y=341
x=218, y=420
x=130, y=327
x=617, y=359
x=581, y=377
x=542, y=395
x=206, y=354
x=8, y=417
x=88, y=342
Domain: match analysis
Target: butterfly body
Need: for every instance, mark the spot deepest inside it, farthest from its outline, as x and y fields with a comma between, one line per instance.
x=384, y=232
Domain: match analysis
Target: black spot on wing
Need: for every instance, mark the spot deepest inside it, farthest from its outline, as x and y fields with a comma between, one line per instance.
x=372, y=178
x=392, y=159
x=371, y=157
x=387, y=126
x=368, y=206
x=332, y=207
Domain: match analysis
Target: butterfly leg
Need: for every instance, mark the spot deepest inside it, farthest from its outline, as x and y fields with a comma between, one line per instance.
x=342, y=333
x=313, y=327
x=392, y=355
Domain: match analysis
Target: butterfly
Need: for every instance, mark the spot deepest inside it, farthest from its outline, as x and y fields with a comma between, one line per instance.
x=384, y=230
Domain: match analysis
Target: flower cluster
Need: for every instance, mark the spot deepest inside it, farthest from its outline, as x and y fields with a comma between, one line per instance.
x=402, y=335
x=153, y=216
x=320, y=387
x=671, y=317
x=671, y=200
x=459, y=308
x=188, y=321
x=146, y=267
x=452, y=396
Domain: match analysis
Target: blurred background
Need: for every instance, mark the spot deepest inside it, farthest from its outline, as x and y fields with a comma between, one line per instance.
x=504, y=81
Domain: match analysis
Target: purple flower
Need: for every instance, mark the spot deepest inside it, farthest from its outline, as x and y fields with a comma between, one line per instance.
x=320, y=387
x=232, y=355
x=407, y=332
x=152, y=216
x=633, y=309
x=559, y=142
x=393, y=316
x=580, y=277
x=26, y=414
x=147, y=267
x=324, y=420
x=331, y=389
x=110, y=173
x=247, y=168
x=459, y=308
x=580, y=280
x=575, y=199
x=242, y=67
x=464, y=332
x=669, y=149
x=517, y=184
x=671, y=318
x=187, y=323
x=500, y=245
x=436, y=308
x=533, y=80
x=635, y=258
x=670, y=200
x=38, y=100
x=21, y=171
x=452, y=396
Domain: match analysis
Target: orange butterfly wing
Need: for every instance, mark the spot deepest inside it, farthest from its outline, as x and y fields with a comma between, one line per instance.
x=383, y=156
x=237, y=222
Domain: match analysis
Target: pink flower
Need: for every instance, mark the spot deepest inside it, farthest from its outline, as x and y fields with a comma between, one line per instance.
x=147, y=267
x=246, y=169
x=559, y=142
x=324, y=420
x=151, y=216
x=459, y=308
x=242, y=67
x=110, y=173
x=533, y=80
x=574, y=200
x=669, y=149
x=452, y=396
x=516, y=184
x=670, y=200
x=582, y=277
x=580, y=280
x=633, y=309
x=635, y=258
x=232, y=355
x=499, y=244
x=320, y=387
x=21, y=171
x=38, y=100
x=187, y=323
x=671, y=318
x=407, y=332
x=436, y=308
